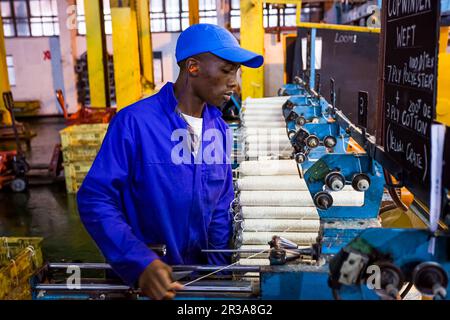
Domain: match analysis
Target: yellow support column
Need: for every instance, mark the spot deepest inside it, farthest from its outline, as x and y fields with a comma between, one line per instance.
x=97, y=54
x=145, y=46
x=194, y=16
x=5, y=116
x=443, y=94
x=127, y=71
x=252, y=38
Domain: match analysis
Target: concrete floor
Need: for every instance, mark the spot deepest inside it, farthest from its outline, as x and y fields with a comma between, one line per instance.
x=47, y=210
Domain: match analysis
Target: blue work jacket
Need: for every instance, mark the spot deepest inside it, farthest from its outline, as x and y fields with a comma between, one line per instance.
x=136, y=195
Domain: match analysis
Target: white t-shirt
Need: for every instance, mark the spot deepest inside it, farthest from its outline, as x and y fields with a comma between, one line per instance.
x=196, y=125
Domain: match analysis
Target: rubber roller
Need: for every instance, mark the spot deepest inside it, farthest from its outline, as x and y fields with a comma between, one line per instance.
x=279, y=225
x=312, y=141
x=301, y=238
x=346, y=198
x=361, y=182
x=329, y=142
x=335, y=181
x=276, y=198
x=271, y=183
x=268, y=168
x=279, y=212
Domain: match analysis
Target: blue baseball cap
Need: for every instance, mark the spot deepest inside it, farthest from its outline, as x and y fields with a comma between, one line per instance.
x=204, y=37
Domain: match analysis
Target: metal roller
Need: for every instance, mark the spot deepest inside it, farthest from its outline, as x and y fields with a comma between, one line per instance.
x=268, y=168
x=301, y=238
x=279, y=213
x=279, y=225
x=276, y=198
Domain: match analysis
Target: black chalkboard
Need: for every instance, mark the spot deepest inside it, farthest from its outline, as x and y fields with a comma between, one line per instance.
x=410, y=76
x=363, y=103
x=351, y=58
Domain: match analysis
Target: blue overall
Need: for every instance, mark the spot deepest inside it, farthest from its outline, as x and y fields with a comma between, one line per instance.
x=135, y=195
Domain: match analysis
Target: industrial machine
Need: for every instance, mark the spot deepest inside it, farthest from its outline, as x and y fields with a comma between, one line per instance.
x=306, y=212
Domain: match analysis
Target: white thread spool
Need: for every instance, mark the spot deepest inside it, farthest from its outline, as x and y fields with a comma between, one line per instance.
x=279, y=213
x=280, y=225
x=276, y=183
x=276, y=198
x=268, y=168
x=300, y=238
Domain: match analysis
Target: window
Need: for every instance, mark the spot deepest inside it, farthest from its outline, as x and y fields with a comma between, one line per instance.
x=11, y=71
x=165, y=15
x=275, y=15
x=208, y=11
x=29, y=18
x=169, y=15
x=158, y=67
x=279, y=15
x=81, y=17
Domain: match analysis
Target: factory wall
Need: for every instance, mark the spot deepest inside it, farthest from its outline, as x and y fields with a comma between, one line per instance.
x=40, y=71
x=33, y=70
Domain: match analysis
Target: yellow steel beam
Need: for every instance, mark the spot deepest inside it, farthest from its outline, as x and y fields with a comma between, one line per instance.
x=298, y=12
x=145, y=46
x=194, y=16
x=5, y=117
x=97, y=54
x=339, y=27
x=252, y=38
x=127, y=71
x=443, y=93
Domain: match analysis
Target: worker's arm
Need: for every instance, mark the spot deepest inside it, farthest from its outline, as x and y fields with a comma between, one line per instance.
x=104, y=216
x=220, y=228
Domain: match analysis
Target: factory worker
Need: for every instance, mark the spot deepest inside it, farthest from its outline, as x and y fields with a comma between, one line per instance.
x=144, y=188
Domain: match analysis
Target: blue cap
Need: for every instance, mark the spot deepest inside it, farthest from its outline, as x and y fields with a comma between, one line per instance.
x=203, y=37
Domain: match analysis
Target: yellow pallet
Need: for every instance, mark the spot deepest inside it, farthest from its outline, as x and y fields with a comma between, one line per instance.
x=77, y=154
x=83, y=135
x=20, y=258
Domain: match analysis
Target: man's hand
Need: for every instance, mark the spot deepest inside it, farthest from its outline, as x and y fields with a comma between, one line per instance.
x=156, y=281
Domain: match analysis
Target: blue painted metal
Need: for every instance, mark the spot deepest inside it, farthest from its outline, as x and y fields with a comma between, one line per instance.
x=57, y=70
x=348, y=165
x=445, y=6
x=292, y=89
x=300, y=282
